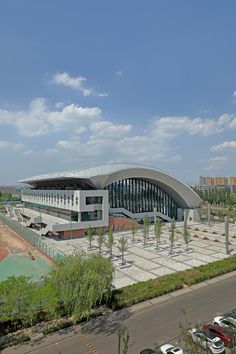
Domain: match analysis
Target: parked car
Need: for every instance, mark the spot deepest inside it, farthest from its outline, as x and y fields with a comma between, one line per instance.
x=224, y=322
x=231, y=314
x=206, y=341
x=223, y=333
x=147, y=351
x=170, y=349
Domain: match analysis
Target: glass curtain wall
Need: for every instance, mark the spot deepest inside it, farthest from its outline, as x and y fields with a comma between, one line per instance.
x=139, y=196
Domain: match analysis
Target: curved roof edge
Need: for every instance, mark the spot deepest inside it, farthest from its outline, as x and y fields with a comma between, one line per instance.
x=103, y=175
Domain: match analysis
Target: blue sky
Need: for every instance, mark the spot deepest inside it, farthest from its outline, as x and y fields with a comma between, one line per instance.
x=89, y=82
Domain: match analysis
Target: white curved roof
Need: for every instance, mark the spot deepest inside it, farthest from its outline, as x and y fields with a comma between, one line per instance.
x=103, y=175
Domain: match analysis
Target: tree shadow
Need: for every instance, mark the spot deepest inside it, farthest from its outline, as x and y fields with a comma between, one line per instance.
x=106, y=324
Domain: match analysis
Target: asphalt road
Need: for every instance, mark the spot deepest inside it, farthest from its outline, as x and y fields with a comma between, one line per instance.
x=157, y=324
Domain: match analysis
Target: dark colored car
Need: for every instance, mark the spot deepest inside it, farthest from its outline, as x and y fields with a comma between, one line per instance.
x=147, y=351
x=220, y=332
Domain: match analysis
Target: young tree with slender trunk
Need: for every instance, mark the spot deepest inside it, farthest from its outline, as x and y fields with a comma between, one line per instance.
x=133, y=230
x=146, y=224
x=158, y=232
x=144, y=237
x=172, y=236
x=123, y=339
x=110, y=241
x=100, y=239
x=186, y=235
x=123, y=247
x=89, y=235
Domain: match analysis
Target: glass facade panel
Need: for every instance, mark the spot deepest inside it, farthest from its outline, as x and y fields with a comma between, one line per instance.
x=91, y=215
x=93, y=200
x=140, y=196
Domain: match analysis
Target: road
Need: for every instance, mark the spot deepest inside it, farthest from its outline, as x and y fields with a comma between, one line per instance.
x=156, y=324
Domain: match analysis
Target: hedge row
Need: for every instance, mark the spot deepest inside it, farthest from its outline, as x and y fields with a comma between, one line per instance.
x=149, y=289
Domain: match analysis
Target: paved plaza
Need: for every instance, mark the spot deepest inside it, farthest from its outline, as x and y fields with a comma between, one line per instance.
x=207, y=244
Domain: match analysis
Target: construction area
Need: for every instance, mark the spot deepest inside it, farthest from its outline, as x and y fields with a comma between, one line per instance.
x=19, y=257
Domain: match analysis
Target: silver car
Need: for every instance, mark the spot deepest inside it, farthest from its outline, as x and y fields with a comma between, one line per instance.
x=206, y=341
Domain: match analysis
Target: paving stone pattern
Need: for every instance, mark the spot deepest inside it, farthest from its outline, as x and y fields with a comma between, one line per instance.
x=147, y=263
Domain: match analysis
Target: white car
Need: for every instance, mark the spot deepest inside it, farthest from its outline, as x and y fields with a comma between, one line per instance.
x=170, y=349
x=224, y=322
x=206, y=341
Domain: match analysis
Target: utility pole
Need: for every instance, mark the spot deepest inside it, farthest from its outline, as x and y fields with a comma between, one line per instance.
x=226, y=235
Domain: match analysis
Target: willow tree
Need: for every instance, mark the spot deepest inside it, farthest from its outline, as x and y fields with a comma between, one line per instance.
x=89, y=235
x=82, y=282
x=158, y=232
x=110, y=241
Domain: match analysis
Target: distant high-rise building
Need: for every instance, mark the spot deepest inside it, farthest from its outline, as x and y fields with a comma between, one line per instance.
x=206, y=181
x=221, y=181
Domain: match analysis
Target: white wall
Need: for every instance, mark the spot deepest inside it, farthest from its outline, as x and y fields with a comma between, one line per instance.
x=73, y=200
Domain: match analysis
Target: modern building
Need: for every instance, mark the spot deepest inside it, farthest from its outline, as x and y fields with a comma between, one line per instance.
x=68, y=202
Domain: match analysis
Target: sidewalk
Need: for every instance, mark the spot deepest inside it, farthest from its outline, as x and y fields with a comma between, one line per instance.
x=73, y=331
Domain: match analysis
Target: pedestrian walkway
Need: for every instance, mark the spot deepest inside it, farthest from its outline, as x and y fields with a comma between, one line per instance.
x=207, y=245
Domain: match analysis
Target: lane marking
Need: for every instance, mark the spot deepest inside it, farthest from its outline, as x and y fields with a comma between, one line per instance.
x=87, y=343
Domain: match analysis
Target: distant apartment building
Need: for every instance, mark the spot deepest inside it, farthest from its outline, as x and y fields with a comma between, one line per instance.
x=218, y=182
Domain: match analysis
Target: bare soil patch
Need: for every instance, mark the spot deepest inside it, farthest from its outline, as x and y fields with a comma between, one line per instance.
x=10, y=243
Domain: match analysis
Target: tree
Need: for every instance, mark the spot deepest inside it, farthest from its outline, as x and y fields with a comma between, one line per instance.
x=17, y=296
x=81, y=282
x=158, y=232
x=172, y=236
x=133, y=230
x=144, y=237
x=110, y=242
x=146, y=224
x=123, y=339
x=123, y=247
x=186, y=234
x=100, y=239
x=89, y=235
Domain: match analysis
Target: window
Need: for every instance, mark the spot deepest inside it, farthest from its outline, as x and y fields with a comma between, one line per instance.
x=94, y=200
x=91, y=215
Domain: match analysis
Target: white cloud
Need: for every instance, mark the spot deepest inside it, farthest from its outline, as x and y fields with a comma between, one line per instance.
x=119, y=73
x=234, y=96
x=64, y=79
x=104, y=94
x=218, y=159
x=39, y=120
x=77, y=83
x=226, y=145
x=9, y=145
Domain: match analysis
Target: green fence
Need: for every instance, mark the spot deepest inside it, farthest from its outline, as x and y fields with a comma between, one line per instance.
x=32, y=237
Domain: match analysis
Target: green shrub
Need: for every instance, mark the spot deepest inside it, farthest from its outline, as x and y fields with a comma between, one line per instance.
x=149, y=289
x=145, y=290
x=57, y=326
x=13, y=339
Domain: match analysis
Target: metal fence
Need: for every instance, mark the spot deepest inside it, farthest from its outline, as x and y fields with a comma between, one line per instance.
x=31, y=237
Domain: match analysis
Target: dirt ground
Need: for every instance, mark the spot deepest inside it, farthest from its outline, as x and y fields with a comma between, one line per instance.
x=10, y=243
